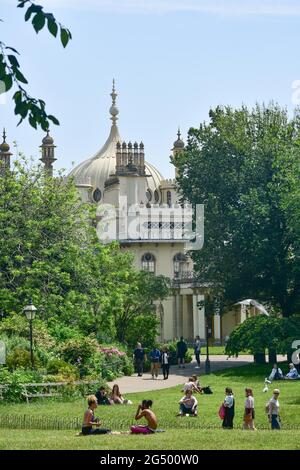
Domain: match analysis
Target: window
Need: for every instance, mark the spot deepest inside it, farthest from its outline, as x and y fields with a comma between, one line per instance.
x=148, y=195
x=181, y=265
x=156, y=196
x=169, y=198
x=148, y=262
x=97, y=195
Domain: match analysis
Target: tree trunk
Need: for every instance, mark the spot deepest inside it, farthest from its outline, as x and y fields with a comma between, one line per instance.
x=272, y=356
x=260, y=358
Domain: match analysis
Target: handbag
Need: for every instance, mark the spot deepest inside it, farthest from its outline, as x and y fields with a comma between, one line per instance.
x=222, y=411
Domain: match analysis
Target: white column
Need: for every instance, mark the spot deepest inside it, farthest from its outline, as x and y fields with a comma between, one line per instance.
x=243, y=313
x=217, y=328
x=177, y=316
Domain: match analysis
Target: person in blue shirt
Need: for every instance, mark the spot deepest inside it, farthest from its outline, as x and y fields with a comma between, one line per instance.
x=293, y=373
x=154, y=357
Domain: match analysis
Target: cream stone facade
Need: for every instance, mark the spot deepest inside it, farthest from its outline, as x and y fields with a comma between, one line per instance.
x=118, y=177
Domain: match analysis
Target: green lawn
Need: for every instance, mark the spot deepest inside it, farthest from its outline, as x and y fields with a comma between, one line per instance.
x=181, y=433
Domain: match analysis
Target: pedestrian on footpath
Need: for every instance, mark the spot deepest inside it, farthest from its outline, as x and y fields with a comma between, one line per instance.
x=139, y=357
x=197, y=351
x=165, y=362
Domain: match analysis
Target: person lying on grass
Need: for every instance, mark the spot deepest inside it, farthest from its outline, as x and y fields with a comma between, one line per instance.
x=144, y=411
x=91, y=425
x=188, y=404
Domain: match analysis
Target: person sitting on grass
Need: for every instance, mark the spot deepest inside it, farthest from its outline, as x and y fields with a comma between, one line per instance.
x=293, y=373
x=188, y=404
x=101, y=396
x=198, y=388
x=91, y=425
x=276, y=373
x=144, y=411
x=116, y=397
x=190, y=385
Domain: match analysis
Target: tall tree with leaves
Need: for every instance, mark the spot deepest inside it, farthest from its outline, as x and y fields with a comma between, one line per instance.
x=11, y=76
x=244, y=166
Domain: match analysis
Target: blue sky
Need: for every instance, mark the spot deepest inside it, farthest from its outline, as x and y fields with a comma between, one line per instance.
x=172, y=60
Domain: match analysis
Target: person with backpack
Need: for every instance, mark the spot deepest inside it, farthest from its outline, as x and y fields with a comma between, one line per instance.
x=181, y=352
x=154, y=357
x=197, y=351
x=272, y=408
x=229, y=405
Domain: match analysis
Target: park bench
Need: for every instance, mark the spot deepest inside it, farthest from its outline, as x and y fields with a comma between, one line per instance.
x=49, y=389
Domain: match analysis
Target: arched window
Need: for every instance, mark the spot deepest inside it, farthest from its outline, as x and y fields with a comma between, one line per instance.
x=156, y=196
x=181, y=265
x=148, y=195
x=169, y=198
x=97, y=195
x=148, y=262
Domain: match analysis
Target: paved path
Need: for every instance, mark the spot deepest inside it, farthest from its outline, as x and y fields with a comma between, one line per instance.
x=178, y=376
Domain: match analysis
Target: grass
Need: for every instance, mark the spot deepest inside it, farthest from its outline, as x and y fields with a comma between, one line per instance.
x=181, y=433
x=215, y=351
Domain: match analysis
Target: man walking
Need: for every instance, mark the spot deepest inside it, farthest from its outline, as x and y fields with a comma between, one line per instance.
x=139, y=356
x=181, y=351
x=197, y=351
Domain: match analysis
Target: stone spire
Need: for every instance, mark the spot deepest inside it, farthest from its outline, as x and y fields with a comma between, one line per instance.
x=113, y=109
x=178, y=144
x=5, y=155
x=48, y=157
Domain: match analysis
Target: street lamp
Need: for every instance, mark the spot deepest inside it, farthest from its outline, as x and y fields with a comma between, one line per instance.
x=30, y=311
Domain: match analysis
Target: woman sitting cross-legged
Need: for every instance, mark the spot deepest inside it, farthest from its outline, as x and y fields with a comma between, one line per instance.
x=117, y=398
x=91, y=425
x=188, y=404
x=144, y=411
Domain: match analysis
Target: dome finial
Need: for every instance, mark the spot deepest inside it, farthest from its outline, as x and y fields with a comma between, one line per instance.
x=113, y=109
x=4, y=147
x=179, y=133
x=4, y=135
x=178, y=144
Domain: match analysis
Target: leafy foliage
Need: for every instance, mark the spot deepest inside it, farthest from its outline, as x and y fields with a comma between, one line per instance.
x=261, y=332
x=11, y=75
x=244, y=166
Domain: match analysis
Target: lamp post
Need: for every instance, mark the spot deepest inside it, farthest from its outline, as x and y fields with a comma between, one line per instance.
x=30, y=311
x=207, y=361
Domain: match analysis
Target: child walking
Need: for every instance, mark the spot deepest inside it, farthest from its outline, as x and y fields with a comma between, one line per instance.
x=249, y=413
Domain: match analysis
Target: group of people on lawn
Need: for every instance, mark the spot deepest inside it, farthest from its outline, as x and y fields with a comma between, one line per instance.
x=188, y=406
x=277, y=373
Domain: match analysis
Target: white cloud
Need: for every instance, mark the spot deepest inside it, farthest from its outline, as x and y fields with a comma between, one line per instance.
x=221, y=7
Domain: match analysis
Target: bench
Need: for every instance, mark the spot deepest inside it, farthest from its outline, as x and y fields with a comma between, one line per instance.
x=50, y=389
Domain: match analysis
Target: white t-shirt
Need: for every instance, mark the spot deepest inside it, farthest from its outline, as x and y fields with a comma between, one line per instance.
x=249, y=402
x=228, y=401
x=164, y=358
x=273, y=406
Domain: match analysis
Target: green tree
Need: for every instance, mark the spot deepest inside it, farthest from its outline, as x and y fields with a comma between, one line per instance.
x=12, y=77
x=243, y=165
x=49, y=252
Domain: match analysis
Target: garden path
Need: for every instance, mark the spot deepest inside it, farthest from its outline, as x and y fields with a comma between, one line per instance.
x=178, y=376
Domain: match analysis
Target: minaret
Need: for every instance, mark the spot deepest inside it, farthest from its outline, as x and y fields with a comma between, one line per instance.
x=113, y=109
x=48, y=157
x=177, y=148
x=5, y=155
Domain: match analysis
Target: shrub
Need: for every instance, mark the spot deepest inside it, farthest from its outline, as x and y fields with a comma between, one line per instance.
x=20, y=358
x=14, y=380
x=63, y=369
x=79, y=351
